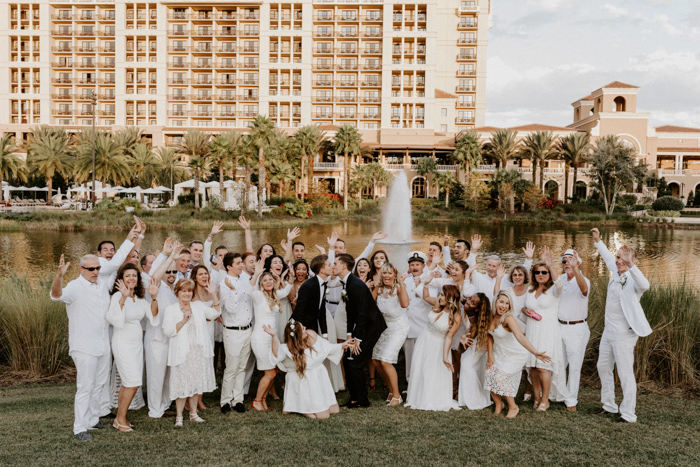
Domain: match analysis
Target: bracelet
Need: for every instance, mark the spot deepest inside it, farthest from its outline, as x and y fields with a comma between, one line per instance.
x=154, y=299
x=141, y=236
x=216, y=304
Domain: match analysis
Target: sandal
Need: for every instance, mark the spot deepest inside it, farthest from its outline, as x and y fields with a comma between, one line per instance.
x=196, y=418
x=252, y=404
x=372, y=385
x=388, y=398
x=543, y=407
x=119, y=427
x=178, y=422
x=395, y=399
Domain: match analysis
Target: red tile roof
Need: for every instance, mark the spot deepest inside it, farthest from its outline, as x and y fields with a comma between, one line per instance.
x=539, y=127
x=439, y=94
x=587, y=98
x=676, y=129
x=619, y=85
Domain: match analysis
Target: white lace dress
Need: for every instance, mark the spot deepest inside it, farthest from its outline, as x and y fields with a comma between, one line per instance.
x=260, y=340
x=397, y=324
x=545, y=336
x=503, y=378
x=430, y=385
x=472, y=375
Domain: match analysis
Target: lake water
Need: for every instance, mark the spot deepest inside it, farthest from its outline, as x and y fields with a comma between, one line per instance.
x=663, y=255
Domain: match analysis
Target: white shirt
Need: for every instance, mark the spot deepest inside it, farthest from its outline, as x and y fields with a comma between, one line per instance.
x=87, y=304
x=447, y=258
x=109, y=267
x=573, y=305
x=418, y=309
x=615, y=320
x=485, y=283
x=236, y=306
x=321, y=295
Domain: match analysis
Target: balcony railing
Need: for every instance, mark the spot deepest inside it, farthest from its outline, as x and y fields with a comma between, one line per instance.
x=328, y=165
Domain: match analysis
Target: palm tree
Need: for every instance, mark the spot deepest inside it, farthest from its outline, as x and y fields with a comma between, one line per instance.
x=426, y=168
x=347, y=141
x=379, y=176
x=128, y=138
x=445, y=181
x=467, y=152
x=261, y=135
x=170, y=167
x=111, y=165
x=248, y=155
x=223, y=150
x=195, y=145
x=540, y=146
x=143, y=164
x=360, y=180
x=503, y=181
x=308, y=141
x=574, y=149
x=48, y=153
x=502, y=147
x=11, y=165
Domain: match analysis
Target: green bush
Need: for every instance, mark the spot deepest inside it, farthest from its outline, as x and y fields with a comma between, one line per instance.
x=301, y=210
x=188, y=199
x=277, y=201
x=668, y=203
x=626, y=200
x=654, y=213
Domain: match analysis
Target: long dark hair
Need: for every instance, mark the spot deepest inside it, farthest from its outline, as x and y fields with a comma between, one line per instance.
x=139, y=290
x=257, y=255
x=372, y=269
x=268, y=263
x=354, y=271
x=535, y=285
x=482, y=321
x=193, y=276
x=298, y=263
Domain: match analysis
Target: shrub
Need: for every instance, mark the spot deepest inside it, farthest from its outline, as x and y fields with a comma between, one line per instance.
x=279, y=201
x=188, y=199
x=549, y=203
x=301, y=210
x=668, y=203
x=626, y=200
x=653, y=213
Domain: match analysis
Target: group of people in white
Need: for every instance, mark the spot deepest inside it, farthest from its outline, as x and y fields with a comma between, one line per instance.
x=468, y=336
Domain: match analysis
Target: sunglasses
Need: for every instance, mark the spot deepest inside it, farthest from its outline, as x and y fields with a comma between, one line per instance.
x=174, y=271
x=92, y=269
x=541, y=273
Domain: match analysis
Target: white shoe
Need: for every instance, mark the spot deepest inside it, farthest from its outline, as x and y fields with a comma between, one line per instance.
x=178, y=422
x=527, y=397
x=196, y=418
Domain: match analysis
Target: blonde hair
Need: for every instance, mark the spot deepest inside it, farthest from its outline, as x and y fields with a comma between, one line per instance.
x=509, y=296
x=389, y=268
x=453, y=298
x=271, y=296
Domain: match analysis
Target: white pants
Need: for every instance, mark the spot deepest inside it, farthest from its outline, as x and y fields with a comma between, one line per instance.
x=237, y=348
x=575, y=339
x=618, y=350
x=408, y=345
x=91, y=379
x=157, y=378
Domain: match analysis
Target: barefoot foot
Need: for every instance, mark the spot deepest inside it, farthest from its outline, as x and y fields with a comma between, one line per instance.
x=513, y=412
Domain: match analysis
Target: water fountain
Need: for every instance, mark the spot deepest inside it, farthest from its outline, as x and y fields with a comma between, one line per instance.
x=397, y=213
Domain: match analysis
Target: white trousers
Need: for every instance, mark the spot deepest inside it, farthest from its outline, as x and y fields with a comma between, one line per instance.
x=157, y=378
x=237, y=348
x=408, y=345
x=618, y=350
x=91, y=379
x=575, y=339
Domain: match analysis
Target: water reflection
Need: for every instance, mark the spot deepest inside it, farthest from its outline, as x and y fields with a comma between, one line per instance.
x=663, y=255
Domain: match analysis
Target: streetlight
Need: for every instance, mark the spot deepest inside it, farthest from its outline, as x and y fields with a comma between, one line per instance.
x=94, y=103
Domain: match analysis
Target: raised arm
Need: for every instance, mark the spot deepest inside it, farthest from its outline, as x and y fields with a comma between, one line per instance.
x=529, y=251
x=402, y=293
x=580, y=280
x=370, y=246
x=259, y=268
x=446, y=250
x=172, y=250
x=641, y=282
x=245, y=225
x=426, y=296
x=608, y=257
x=110, y=266
x=499, y=278
x=57, y=285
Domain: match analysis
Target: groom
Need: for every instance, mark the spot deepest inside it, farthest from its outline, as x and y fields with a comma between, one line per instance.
x=365, y=324
x=311, y=298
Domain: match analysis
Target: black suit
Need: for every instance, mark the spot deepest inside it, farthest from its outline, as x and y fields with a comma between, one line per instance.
x=307, y=311
x=366, y=323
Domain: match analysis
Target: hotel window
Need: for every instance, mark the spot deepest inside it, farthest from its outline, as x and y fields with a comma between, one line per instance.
x=178, y=78
x=373, y=15
x=347, y=112
x=228, y=46
x=110, y=46
x=250, y=46
x=324, y=64
x=347, y=80
x=177, y=109
x=371, y=96
x=443, y=128
x=325, y=31
x=250, y=62
x=250, y=78
x=179, y=29
x=250, y=110
x=324, y=15
x=323, y=80
x=467, y=37
x=64, y=30
x=371, y=112
x=347, y=96
x=179, y=13
x=251, y=30
x=228, y=111
x=324, y=96
x=371, y=126
x=348, y=64
x=373, y=31
x=204, y=78
x=204, y=46
x=348, y=31
x=323, y=112
x=373, y=64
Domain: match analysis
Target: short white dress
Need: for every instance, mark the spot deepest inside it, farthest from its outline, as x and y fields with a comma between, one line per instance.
x=430, y=385
x=509, y=356
x=467, y=290
x=127, y=340
x=472, y=374
x=312, y=392
x=260, y=340
x=397, y=325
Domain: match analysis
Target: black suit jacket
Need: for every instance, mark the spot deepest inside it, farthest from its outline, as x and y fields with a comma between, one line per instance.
x=307, y=310
x=365, y=321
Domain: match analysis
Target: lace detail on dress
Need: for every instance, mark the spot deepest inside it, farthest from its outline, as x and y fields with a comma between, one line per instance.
x=196, y=375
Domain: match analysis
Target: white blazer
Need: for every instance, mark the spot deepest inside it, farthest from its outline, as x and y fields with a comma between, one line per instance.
x=179, y=344
x=636, y=284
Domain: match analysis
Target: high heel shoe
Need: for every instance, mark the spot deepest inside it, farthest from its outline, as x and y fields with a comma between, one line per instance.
x=252, y=404
x=119, y=427
x=400, y=399
x=543, y=407
x=536, y=405
x=196, y=418
x=372, y=385
x=527, y=397
x=388, y=398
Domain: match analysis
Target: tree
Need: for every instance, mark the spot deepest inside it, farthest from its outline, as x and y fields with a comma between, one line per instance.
x=503, y=183
x=476, y=193
x=48, y=153
x=308, y=141
x=143, y=164
x=662, y=188
x=691, y=198
x=223, y=148
x=379, y=176
x=613, y=169
x=502, y=147
x=111, y=165
x=467, y=153
x=360, y=180
x=11, y=165
x=426, y=168
x=195, y=146
x=170, y=168
x=445, y=181
x=574, y=149
x=533, y=196
x=538, y=147
x=248, y=157
x=347, y=142
x=128, y=138
x=261, y=135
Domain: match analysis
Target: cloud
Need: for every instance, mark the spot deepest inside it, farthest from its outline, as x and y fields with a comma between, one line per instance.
x=665, y=22
x=550, y=5
x=615, y=11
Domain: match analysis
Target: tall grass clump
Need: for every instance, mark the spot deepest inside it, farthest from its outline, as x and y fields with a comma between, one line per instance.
x=671, y=353
x=33, y=329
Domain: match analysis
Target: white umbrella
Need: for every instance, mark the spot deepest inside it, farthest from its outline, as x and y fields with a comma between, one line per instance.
x=80, y=189
x=136, y=189
x=108, y=190
x=151, y=191
x=162, y=188
x=117, y=188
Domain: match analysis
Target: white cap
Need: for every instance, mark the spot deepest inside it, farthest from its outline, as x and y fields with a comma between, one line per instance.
x=417, y=256
x=569, y=254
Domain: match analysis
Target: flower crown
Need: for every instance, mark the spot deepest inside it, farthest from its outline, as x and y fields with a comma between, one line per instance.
x=292, y=326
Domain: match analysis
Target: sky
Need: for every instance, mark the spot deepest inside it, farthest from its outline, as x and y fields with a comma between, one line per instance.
x=545, y=54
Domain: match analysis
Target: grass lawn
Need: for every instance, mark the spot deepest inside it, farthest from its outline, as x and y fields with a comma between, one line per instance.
x=36, y=429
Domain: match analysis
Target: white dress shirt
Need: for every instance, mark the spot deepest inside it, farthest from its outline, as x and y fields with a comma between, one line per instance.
x=321, y=283
x=615, y=320
x=109, y=267
x=447, y=257
x=485, y=283
x=573, y=305
x=87, y=304
x=236, y=306
x=418, y=309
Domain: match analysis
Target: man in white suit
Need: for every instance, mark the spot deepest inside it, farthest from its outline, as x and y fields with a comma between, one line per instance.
x=624, y=324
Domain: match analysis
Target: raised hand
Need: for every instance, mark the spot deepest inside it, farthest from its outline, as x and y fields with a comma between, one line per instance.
x=292, y=234
x=142, y=225
x=217, y=264
x=403, y=278
x=218, y=227
x=245, y=225
x=211, y=287
x=596, y=234
x=447, y=240
x=332, y=239
x=62, y=267
x=259, y=266
x=168, y=246
x=529, y=250
x=476, y=243
x=574, y=261
x=228, y=283
x=284, y=245
x=626, y=255
x=501, y=271
x=269, y=329
x=122, y=288
x=379, y=236
x=436, y=274
x=134, y=232
x=547, y=256
x=177, y=251
x=436, y=259
x=153, y=288
x=320, y=249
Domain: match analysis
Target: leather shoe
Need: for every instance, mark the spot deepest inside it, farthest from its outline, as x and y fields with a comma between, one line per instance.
x=226, y=408
x=99, y=426
x=240, y=408
x=621, y=420
x=83, y=436
x=109, y=416
x=356, y=405
x=601, y=411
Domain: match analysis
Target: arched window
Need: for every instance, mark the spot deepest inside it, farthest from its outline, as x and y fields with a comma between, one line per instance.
x=551, y=188
x=418, y=188
x=619, y=104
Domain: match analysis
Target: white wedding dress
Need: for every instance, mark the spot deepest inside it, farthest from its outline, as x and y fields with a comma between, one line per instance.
x=312, y=392
x=397, y=324
x=260, y=340
x=509, y=356
x=430, y=385
x=472, y=374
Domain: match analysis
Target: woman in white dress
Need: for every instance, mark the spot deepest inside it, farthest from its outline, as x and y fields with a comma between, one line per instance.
x=430, y=385
x=392, y=301
x=266, y=308
x=507, y=351
x=276, y=265
x=307, y=388
x=200, y=275
x=126, y=310
x=519, y=278
x=545, y=334
x=189, y=348
x=472, y=393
